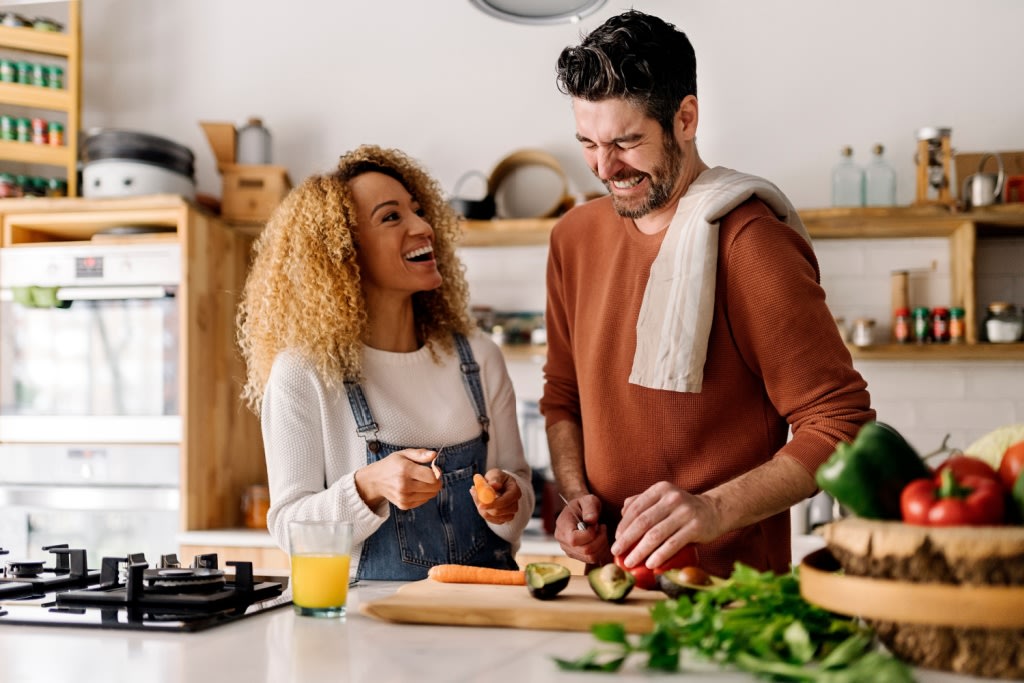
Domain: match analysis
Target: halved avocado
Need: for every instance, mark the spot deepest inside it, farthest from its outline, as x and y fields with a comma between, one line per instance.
x=545, y=580
x=683, y=581
x=611, y=583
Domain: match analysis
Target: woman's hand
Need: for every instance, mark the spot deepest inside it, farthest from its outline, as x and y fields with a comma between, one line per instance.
x=400, y=478
x=504, y=508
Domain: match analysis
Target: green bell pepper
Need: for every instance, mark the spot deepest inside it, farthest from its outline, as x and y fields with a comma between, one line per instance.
x=867, y=476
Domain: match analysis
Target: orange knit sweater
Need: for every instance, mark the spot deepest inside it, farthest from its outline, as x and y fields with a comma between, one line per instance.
x=775, y=361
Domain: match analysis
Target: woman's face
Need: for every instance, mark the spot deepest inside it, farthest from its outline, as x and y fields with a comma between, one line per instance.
x=396, y=244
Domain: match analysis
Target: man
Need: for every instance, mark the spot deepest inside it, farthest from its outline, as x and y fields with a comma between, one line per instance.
x=687, y=330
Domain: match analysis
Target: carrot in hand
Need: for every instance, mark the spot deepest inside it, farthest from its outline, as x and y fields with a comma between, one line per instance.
x=484, y=493
x=463, y=573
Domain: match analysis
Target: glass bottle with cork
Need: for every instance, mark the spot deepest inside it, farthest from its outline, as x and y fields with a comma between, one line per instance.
x=879, y=180
x=847, y=180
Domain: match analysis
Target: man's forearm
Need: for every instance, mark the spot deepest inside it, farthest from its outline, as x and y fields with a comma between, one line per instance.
x=760, y=493
x=565, y=443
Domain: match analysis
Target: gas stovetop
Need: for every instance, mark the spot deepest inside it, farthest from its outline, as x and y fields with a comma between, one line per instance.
x=126, y=593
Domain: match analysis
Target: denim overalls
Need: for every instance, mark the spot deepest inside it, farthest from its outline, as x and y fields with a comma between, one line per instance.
x=446, y=529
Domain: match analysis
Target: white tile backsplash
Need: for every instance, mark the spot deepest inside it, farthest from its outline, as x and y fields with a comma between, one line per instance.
x=924, y=400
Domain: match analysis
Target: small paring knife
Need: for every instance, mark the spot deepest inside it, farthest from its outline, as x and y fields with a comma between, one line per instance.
x=580, y=524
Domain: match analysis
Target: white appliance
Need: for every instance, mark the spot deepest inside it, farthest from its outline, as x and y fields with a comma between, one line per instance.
x=90, y=426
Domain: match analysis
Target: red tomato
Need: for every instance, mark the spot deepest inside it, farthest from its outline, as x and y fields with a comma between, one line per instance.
x=916, y=499
x=647, y=578
x=1011, y=465
x=963, y=466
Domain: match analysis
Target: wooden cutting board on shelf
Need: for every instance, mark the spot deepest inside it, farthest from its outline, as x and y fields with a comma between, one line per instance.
x=576, y=608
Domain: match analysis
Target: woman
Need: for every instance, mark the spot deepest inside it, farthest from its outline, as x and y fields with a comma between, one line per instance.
x=379, y=399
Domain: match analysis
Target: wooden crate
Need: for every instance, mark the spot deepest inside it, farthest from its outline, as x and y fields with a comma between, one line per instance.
x=251, y=193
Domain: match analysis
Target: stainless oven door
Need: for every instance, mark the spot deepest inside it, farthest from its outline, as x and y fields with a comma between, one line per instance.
x=110, y=500
x=90, y=353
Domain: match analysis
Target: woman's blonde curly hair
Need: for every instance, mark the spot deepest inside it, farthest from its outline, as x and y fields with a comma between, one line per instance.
x=303, y=291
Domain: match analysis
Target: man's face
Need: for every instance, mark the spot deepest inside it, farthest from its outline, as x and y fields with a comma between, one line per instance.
x=630, y=153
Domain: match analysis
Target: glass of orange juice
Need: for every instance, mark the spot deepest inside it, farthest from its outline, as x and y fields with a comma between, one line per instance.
x=320, y=555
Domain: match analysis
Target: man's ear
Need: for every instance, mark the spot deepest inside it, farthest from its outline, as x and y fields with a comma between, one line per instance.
x=686, y=119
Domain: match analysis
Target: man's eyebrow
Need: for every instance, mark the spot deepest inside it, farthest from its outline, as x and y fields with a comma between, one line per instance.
x=632, y=137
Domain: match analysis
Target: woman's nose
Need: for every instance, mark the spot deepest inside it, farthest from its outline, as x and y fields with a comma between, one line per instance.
x=421, y=226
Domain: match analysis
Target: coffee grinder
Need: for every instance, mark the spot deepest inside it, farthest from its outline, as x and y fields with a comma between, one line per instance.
x=934, y=160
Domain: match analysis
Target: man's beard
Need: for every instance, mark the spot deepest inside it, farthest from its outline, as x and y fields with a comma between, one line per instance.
x=663, y=181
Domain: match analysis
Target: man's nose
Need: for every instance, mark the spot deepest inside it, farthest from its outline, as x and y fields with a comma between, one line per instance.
x=607, y=163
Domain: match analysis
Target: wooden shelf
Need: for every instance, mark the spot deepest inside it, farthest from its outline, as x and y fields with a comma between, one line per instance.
x=36, y=96
x=829, y=223
x=507, y=233
x=30, y=153
x=939, y=352
x=68, y=100
x=42, y=42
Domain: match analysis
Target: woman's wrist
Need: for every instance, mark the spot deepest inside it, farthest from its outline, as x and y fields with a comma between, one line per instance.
x=365, y=486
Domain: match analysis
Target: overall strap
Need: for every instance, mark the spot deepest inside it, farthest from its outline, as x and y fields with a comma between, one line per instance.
x=365, y=424
x=471, y=379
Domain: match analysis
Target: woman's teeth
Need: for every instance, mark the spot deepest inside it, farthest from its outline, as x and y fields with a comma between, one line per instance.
x=421, y=254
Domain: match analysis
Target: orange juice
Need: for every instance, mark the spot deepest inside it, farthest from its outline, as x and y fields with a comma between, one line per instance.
x=320, y=580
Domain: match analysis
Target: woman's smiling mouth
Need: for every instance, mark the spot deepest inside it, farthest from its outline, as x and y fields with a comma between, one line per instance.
x=424, y=253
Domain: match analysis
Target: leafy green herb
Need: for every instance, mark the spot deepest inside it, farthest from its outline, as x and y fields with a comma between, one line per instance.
x=757, y=622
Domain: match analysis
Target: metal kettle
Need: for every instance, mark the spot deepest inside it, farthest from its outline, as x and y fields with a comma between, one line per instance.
x=984, y=189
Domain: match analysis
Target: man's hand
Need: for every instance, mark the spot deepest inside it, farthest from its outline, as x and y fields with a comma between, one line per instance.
x=589, y=545
x=657, y=523
x=504, y=508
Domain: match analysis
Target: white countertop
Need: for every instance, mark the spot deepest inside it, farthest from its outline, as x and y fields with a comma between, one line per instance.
x=280, y=647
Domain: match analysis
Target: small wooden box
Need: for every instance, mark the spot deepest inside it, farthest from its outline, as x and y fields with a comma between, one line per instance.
x=251, y=193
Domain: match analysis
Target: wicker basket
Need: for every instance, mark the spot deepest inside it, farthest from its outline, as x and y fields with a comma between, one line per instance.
x=942, y=598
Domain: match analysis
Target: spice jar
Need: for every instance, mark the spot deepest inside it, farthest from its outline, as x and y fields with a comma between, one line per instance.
x=922, y=325
x=863, y=332
x=940, y=324
x=255, y=504
x=1003, y=323
x=957, y=326
x=901, y=326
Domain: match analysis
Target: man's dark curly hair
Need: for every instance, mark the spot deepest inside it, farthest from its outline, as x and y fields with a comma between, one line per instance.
x=634, y=56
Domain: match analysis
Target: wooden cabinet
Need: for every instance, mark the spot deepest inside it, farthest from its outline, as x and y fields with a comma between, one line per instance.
x=221, y=444
x=962, y=230
x=66, y=102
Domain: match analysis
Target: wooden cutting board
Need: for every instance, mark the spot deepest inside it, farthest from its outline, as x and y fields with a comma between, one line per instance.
x=462, y=604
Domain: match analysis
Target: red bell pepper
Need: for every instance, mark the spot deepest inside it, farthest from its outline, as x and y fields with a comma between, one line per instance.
x=963, y=465
x=951, y=500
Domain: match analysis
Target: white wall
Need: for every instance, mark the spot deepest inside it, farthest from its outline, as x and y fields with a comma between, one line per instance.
x=783, y=84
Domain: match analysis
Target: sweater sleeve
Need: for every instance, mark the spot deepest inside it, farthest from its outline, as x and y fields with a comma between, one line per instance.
x=786, y=334
x=561, y=399
x=505, y=447
x=294, y=441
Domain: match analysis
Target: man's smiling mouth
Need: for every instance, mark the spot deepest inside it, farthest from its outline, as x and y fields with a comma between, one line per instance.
x=626, y=183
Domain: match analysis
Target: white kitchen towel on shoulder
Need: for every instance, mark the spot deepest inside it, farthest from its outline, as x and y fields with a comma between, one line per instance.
x=675, y=316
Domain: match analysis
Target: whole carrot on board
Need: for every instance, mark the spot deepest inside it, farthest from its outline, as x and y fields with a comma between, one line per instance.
x=484, y=493
x=464, y=573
